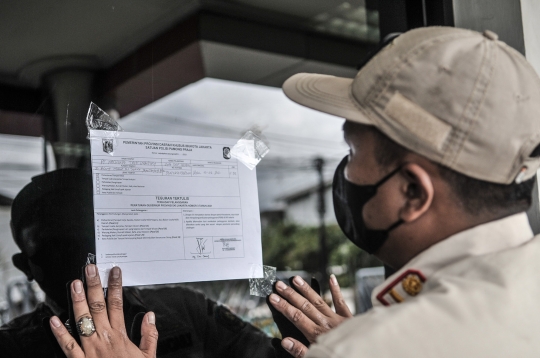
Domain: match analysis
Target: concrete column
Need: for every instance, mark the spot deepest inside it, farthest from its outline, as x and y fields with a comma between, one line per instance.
x=70, y=91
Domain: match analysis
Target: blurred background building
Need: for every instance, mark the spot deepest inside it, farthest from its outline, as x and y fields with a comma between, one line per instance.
x=211, y=68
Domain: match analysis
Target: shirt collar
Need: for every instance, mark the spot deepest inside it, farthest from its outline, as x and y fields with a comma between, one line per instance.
x=502, y=234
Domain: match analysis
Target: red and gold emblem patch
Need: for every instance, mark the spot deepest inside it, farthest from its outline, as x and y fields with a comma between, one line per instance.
x=409, y=283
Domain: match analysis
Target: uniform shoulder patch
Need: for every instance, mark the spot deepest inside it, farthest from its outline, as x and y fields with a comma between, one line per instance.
x=408, y=284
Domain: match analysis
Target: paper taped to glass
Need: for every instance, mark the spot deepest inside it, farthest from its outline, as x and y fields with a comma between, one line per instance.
x=174, y=209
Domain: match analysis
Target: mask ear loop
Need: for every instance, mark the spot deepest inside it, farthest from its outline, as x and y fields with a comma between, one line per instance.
x=381, y=182
x=395, y=225
x=388, y=176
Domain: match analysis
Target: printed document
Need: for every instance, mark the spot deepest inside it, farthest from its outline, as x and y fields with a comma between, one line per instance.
x=173, y=209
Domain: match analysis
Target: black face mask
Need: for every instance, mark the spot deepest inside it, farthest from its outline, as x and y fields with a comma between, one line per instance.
x=349, y=201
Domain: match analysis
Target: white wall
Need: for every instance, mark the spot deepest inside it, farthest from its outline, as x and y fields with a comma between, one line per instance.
x=530, y=13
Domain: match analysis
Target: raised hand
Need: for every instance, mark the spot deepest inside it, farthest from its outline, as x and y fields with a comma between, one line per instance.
x=101, y=325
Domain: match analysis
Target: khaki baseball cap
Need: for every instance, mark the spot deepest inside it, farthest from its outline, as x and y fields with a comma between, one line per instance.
x=458, y=97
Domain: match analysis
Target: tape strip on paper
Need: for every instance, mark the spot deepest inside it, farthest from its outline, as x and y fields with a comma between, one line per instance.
x=98, y=119
x=262, y=287
x=90, y=259
x=103, y=270
x=250, y=149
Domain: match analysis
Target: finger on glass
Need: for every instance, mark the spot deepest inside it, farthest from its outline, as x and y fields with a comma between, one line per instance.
x=149, y=335
x=81, y=310
x=68, y=344
x=295, y=348
x=339, y=302
x=308, y=328
x=115, y=300
x=96, y=298
x=312, y=306
x=311, y=295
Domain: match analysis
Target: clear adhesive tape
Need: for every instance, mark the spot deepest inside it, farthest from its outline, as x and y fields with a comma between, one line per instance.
x=98, y=120
x=250, y=149
x=262, y=287
x=103, y=270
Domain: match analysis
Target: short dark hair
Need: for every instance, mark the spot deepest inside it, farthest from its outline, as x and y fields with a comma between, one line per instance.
x=473, y=195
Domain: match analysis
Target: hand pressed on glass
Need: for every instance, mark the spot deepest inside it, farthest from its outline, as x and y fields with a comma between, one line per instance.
x=308, y=311
x=101, y=325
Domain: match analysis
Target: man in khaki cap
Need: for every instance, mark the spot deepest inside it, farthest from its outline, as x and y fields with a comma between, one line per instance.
x=444, y=130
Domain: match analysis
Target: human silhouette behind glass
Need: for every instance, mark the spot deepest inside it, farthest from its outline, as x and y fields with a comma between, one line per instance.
x=53, y=225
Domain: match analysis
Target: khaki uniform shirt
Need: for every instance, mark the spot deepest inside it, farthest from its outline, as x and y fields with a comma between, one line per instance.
x=474, y=294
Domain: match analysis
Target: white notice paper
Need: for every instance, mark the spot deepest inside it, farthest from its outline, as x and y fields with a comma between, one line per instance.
x=173, y=209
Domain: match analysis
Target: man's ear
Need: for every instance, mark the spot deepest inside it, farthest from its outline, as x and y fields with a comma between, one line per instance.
x=20, y=261
x=417, y=190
